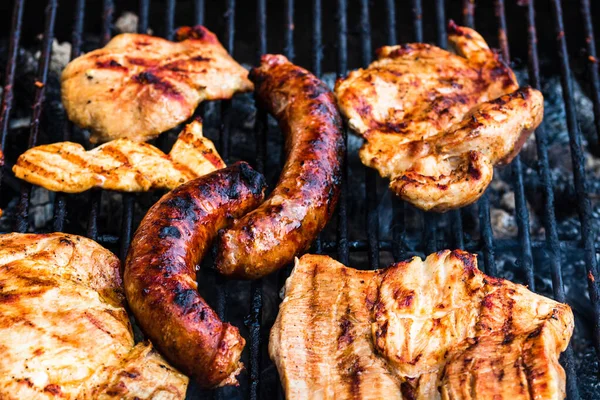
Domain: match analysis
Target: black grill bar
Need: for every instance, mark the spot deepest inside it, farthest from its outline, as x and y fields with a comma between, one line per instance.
x=22, y=223
x=398, y=206
x=254, y=320
x=372, y=215
x=60, y=205
x=521, y=212
x=9, y=77
x=342, y=68
x=578, y=161
x=199, y=8
x=95, y=194
x=469, y=13
x=144, y=14
x=107, y=18
x=170, y=20
x=590, y=42
x=418, y=20
x=553, y=245
x=440, y=14
x=487, y=235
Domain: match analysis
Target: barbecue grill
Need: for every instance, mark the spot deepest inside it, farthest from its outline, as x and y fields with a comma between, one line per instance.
x=370, y=228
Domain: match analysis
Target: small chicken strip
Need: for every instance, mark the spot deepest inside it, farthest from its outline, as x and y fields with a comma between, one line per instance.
x=122, y=164
x=435, y=122
x=64, y=330
x=139, y=86
x=421, y=329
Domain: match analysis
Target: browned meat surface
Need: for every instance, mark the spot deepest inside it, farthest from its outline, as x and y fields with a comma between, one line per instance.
x=139, y=86
x=64, y=331
x=435, y=122
x=160, y=272
x=432, y=329
x=288, y=222
x=121, y=164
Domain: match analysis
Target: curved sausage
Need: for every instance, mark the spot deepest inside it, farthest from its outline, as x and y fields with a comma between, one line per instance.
x=308, y=188
x=160, y=272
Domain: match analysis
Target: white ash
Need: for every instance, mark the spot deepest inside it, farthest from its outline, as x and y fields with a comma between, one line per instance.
x=19, y=123
x=41, y=206
x=127, y=23
x=61, y=55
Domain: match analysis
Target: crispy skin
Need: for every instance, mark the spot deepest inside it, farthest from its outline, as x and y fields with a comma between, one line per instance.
x=139, y=86
x=64, y=331
x=299, y=207
x=160, y=272
x=429, y=329
x=436, y=123
x=122, y=164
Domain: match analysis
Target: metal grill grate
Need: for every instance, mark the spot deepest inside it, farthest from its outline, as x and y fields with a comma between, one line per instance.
x=343, y=246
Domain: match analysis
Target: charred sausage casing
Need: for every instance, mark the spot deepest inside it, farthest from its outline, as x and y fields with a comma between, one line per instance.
x=308, y=188
x=160, y=272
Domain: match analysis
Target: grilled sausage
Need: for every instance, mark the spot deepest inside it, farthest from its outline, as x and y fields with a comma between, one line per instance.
x=305, y=197
x=160, y=272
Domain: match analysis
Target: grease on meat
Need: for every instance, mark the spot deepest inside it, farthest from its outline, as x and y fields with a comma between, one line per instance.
x=139, y=86
x=121, y=164
x=435, y=122
x=431, y=329
x=64, y=331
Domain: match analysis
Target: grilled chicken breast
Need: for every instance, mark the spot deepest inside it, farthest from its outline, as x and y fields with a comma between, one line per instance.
x=121, y=164
x=431, y=329
x=435, y=122
x=138, y=86
x=64, y=331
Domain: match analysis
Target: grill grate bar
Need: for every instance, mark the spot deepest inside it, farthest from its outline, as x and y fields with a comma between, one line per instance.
x=95, y=194
x=592, y=61
x=372, y=217
x=578, y=161
x=255, y=318
x=170, y=20
x=60, y=206
x=7, y=93
x=418, y=20
x=22, y=224
x=487, y=235
x=144, y=15
x=521, y=212
x=342, y=68
x=440, y=14
x=553, y=244
x=398, y=206
x=317, y=37
x=199, y=8
x=107, y=18
x=468, y=12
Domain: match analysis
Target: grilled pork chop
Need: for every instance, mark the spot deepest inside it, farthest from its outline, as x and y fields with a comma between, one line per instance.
x=429, y=329
x=121, y=164
x=435, y=122
x=64, y=331
x=139, y=86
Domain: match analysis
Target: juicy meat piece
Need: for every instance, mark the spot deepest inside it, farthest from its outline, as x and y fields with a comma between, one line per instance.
x=122, y=164
x=429, y=329
x=139, y=86
x=300, y=206
x=435, y=122
x=161, y=266
x=64, y=331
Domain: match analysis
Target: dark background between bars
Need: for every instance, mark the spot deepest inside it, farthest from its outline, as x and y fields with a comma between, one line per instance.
x=333, y=37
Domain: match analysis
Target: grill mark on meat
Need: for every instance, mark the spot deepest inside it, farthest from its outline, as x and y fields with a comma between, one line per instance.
x=111, y=64
x=53, y=389
x=161, y=84
x=508, y=323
